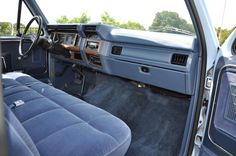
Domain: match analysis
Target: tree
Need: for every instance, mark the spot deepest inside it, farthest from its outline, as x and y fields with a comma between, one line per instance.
x=5, y=28
x=223, y=34
x=170, y=19
x=132, y=25
x=84, y=18
x=63, y=19
x=107, y=19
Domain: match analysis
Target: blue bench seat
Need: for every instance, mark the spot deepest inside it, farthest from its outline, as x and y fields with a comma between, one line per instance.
x=49, y=122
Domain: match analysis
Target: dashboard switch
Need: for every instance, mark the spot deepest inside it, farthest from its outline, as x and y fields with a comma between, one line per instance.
x=116, y=50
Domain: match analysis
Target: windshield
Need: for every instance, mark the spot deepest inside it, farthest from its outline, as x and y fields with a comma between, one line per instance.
x=145, y=15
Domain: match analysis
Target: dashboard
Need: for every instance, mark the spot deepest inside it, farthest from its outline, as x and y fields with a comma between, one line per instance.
x=70, y=41
x=164, y=60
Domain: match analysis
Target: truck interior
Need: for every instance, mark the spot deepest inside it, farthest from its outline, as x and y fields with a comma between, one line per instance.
x=97, y=89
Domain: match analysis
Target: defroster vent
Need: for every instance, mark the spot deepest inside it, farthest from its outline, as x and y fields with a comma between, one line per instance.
x=91, y=28
x=179, y=59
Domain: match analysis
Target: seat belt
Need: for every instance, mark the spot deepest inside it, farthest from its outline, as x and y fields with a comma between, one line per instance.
x=16, y=104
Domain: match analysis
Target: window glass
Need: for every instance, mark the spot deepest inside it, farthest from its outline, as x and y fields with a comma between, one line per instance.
x=8, y=18
x=145, y=15
x=223, y=15
x=26, y=16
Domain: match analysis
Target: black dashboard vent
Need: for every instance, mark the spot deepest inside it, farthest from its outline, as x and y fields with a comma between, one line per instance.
x=116, y=50
x=90, y=28
x=179, y=59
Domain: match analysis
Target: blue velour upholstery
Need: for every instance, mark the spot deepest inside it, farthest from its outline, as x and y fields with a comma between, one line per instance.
x=55, y=123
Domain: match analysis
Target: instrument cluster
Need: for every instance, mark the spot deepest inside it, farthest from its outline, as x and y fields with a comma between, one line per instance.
x=65, y=38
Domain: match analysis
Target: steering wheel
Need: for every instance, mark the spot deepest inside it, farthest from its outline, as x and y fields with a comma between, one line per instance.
x=30, y=38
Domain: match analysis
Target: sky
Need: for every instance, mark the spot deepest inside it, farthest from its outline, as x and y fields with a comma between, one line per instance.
x=142, y=11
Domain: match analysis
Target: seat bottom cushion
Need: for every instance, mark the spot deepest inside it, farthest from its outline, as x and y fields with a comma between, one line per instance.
x=60, y=124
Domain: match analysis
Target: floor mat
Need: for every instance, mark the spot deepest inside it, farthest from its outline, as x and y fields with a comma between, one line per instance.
x=156, y=121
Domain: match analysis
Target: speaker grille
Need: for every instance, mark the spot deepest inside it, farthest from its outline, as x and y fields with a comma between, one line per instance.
x=231, y=109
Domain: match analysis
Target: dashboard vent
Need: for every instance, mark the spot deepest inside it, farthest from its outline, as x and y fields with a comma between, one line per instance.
x=116, y=50
x=179, y=59
x=90, y=28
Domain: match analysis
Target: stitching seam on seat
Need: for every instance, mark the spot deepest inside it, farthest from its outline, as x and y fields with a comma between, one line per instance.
x=101, y=116
x=33, y=99
x=77, y=123
x=100, y=130
x=126, y=139
x=74, y=104
x=10, y=87
x=31, y=84
x=31, y=118
x=15, y=93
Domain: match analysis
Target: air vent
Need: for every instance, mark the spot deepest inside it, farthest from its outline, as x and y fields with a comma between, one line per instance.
x=90, y=28
x=179, y=59
x=116, y=50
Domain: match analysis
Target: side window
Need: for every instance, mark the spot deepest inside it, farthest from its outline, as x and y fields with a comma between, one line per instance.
x=8, y=18
x=26, y=16
x=221, y=14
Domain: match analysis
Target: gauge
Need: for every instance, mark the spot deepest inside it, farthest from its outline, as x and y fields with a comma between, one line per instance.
x=65, y=38
x=69, y=40
x=93, y=36
x=96, y=37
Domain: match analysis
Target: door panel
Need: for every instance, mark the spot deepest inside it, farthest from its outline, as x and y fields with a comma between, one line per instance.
x=221, y=131
x=225, y=114
x=35, y=64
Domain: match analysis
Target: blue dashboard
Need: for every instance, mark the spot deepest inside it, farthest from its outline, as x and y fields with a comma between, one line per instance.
x=164, y=60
